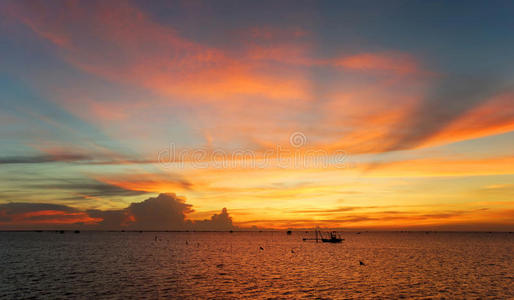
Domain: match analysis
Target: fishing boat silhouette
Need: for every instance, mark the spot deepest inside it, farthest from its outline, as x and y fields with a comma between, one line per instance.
x=332, y=237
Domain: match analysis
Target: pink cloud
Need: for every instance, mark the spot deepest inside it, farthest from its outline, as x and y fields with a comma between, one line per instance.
x=396, y=63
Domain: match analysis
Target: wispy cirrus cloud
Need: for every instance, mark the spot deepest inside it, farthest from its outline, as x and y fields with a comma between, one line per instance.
x=397, y=63
x=265, y=86
x=89, y=188
x=492, y=116
x=77, y=158
x=449, y=112
x=147, y=182
x=37, y=159
x=472, y=219
x=442, y=167
x=137, y=50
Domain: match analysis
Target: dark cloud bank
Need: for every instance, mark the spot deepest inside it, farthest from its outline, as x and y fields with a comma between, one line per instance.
x=164, y=212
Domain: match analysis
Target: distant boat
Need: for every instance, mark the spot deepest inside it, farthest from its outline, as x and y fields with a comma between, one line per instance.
x=333, y=237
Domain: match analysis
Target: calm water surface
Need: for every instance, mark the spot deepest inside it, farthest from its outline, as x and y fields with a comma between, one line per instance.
x=232, y=265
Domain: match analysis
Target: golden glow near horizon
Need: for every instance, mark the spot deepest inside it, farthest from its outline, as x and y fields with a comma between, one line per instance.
x=287, y=122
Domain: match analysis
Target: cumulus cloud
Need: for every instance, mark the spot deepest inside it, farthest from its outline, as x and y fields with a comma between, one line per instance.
x=110, y=219
x=167, y=211
x=164, y=212
x=221, y=221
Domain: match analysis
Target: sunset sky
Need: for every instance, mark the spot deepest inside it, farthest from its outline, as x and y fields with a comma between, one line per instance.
x=408, y=107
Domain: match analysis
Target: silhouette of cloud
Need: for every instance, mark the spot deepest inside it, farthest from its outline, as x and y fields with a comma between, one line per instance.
x=90, y=187
x=110, y=219
x=221, y=221
x=41, y=214
x=36, y=159
x=76, y=158
x=17, y=208
x=169, y=212
x=164, y=212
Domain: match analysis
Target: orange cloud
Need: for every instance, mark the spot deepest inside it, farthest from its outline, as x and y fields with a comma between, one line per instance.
x=494, y=116
x=473, y=219
x=147, y=182
x=444, y=167
x=164, y=212
x=48, y=217
x=260, y=90
x=122, y=44
x=364, y=119
x=136, y=50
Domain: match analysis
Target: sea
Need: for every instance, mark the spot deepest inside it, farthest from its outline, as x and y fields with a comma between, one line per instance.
x=255, y=265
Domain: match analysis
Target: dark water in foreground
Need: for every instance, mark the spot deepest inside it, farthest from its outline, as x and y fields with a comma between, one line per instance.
x=224, y=265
